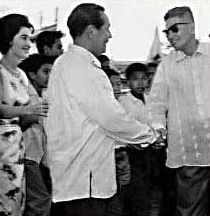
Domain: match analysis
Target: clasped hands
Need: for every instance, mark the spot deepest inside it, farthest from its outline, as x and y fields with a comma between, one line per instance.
x=158, y=143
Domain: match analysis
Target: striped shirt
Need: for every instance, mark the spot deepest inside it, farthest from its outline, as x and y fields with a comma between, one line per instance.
x=181, y=90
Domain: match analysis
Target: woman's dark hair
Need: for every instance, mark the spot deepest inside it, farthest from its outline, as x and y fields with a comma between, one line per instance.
x=135, y=67
x=10, y=25
x=84, y=15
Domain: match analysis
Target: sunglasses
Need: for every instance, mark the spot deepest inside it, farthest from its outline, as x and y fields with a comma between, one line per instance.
x=174, y=28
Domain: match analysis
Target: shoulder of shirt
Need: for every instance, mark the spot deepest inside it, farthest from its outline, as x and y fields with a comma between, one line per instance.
x=32, y=90
x=23, y=77
x=2, y=69
x=171, y=56
x=22, y=73
x=82, y=53
x=128, y=97
x=124, y=96
x=204, y=48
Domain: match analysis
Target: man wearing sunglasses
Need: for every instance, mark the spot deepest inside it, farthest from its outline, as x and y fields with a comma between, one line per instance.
x=180, y=98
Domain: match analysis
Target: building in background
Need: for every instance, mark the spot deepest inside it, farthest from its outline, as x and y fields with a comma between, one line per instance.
x=51, y=27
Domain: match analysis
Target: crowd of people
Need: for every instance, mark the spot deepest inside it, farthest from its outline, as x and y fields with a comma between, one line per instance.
x=73, y=144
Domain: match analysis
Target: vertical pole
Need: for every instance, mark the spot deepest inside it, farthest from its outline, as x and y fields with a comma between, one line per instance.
x=41, y=19
x=56, y=15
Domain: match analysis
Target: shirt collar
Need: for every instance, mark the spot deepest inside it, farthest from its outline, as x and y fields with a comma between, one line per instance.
x=202, y=48
x=132, y=97
x=86, y=53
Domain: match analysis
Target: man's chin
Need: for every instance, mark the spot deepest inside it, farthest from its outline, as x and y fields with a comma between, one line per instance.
x=117, y=95
x=104, y=49
x=175, y=46
x=140, y=91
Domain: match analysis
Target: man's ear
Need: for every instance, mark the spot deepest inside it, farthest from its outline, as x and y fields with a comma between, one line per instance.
x=91, y=30
x=192, y=28
x=32, y=75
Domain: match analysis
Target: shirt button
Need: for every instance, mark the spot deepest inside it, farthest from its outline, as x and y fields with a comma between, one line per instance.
x=208, y=136
x=183, y=149
x=197, y=154
x=206, y=125
x=194, y=137
x=196, y=145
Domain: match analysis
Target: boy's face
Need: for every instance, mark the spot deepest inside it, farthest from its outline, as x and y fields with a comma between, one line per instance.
x=138, y=82
x=40, y=79
x=117, y=85
x=105, y=64
x=55, y=50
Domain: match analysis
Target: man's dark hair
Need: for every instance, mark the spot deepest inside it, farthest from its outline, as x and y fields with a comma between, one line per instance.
x=34, y=62
x=10, y=25
x=152, y=64
x=179, y=12
x=103, y=58
x=82, y=16
x=135, y=67
x=111, y=72
x=47, y=38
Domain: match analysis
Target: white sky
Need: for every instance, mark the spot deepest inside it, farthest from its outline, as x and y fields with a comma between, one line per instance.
x=133, y=22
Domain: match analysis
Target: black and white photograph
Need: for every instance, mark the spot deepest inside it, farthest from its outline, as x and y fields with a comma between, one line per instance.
x=104, y=108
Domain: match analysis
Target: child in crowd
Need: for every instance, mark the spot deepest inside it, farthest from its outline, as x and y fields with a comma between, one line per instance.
x=115, y=80
x=38, y=183
x=49, y=43
x=140, y=201
x=122, y=162
x=105, y=61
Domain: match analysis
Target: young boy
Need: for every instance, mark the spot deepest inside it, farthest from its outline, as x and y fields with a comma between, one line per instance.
x=105, y=61
x=38, y=184
x=115, y=80
x=140, y=202
x=49, y=43
x=123, y=175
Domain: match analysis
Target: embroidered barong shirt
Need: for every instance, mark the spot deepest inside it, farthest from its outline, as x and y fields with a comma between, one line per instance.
x=181, y=91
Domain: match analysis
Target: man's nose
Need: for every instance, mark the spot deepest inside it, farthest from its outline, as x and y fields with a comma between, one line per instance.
x=110, y=34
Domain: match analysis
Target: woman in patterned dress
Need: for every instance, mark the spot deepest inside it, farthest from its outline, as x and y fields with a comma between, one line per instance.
x=15, y=35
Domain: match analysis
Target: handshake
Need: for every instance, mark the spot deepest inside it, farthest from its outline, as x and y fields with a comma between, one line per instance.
x=161, y=139
x=158, y=142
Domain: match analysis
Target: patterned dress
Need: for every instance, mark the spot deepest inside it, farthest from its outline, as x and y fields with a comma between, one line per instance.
x=12, y=180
